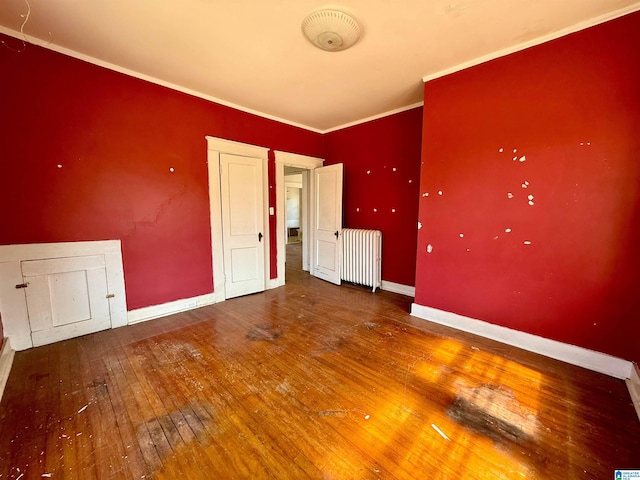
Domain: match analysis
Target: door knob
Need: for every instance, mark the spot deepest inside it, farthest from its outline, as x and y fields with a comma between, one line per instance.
x=336, y=234
x=260, y=237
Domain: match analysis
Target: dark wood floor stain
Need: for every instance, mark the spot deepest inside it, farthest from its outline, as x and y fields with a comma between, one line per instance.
x=494, y=411
x=310, y=380
x=264, y=332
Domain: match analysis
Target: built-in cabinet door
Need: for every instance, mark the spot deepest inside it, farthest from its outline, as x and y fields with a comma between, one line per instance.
x=66, y=297
x=241, y=181
x=327, y=222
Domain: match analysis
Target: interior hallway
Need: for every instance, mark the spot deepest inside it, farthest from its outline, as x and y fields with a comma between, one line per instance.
x=310, y=380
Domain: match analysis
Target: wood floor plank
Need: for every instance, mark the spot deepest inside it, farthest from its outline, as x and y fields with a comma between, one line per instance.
x=310, y=380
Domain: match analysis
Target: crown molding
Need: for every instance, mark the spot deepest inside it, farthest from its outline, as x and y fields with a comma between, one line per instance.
x=133, y=73
x=592, y=22
x=388, y=113
x=477, y=61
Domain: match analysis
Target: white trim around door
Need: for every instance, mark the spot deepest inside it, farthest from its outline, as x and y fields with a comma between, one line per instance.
x=299, y=161
x=215, y=147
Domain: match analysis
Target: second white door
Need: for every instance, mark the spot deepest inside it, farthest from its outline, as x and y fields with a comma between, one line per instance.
x=327, y=222
x=241, y=183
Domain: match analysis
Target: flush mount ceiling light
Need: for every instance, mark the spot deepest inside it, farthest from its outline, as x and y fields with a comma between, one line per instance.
x=331, y=30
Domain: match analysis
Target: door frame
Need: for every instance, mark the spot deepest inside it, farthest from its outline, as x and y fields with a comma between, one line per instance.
x=215, y=147
x=309, y=164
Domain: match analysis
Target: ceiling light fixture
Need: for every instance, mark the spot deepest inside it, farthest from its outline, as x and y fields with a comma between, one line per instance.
x=331, y=30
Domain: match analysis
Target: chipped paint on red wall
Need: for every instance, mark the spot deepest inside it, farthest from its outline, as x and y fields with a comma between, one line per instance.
x=530, y=190
x=381, y=176
x=91, y=154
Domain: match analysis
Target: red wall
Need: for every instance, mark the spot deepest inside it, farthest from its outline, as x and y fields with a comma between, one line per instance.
x=381, y=171
x=572, y=108
x=116, y=137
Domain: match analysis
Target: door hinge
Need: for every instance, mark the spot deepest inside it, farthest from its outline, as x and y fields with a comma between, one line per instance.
x=111, y=295
x=22, y=285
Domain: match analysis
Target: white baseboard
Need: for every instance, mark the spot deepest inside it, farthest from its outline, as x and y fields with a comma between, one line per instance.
x=633, y=384
x=164, y=309
x=6, y=361
x=582, y=357
x=398, y=288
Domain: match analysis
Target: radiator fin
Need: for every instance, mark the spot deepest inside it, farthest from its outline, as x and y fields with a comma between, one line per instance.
x=362, y=257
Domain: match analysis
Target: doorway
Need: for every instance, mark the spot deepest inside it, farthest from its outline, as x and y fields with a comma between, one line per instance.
x=293, y=206
x=294, y=214
x=240, y=243
x=294, y=170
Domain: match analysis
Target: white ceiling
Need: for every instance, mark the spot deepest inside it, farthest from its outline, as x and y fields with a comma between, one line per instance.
x=251, y=53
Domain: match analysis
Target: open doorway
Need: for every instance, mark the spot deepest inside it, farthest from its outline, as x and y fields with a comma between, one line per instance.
x=293, y=171
x=296, y=216
x=293, y=204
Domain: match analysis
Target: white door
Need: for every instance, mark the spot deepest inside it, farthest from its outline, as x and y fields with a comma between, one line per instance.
x=242, y=224
x=66, y=297
x=327, y=222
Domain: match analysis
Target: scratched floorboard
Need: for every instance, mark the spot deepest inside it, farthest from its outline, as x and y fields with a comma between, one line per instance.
x=309, y=380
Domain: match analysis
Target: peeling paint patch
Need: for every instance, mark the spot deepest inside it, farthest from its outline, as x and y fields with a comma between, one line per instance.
x=515, y=150
x=509, y=195
x=527, y=242
x=394, y=169
x=419, y=225
x=368, y=172
x=508, y=230
x=439, y=192
x=59, y=166
x=357, y=209
x=410, y=181
x=425, y=194
x=429, y=248
x=171, y=170
x=501, y=149
x=462, y=235
x=393, y=210
x=375, y=210
x=522, y=159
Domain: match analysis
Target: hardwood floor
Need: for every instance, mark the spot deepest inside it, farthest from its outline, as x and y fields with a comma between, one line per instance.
x=310, y=380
